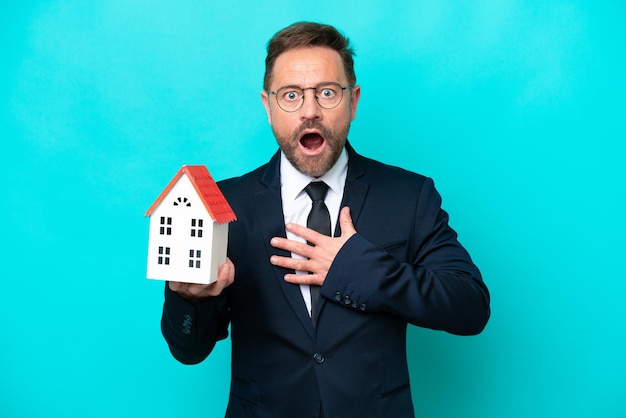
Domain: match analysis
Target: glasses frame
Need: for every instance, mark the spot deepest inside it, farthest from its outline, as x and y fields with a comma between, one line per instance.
x=321, y=85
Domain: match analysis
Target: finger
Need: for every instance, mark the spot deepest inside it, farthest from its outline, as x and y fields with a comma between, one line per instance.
x=192, y=291
x=226, y=271
x=308, y=234
x=345, y=221
x=174, y=286
x=290, y=263
x=215, y=289
x=225, y=277
x=295, y=247
x=314, y=279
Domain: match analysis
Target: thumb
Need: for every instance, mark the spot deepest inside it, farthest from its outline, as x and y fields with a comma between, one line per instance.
x=345, y=222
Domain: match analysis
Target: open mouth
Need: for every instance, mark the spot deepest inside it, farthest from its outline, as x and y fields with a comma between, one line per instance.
x=312, y=141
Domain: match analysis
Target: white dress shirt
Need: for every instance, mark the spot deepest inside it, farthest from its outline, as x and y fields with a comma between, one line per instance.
x=297, y=204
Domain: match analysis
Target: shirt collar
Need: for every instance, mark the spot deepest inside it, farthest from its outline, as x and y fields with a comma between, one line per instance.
x=293, y=182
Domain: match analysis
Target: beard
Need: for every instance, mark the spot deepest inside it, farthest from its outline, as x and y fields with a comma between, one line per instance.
x=317, y=165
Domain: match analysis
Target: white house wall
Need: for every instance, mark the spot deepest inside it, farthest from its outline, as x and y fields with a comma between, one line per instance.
x=169, y=255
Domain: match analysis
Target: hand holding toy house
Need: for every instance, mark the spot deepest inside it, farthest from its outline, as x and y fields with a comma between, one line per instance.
x=188, y=228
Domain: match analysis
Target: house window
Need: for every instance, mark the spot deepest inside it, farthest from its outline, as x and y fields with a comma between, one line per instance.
x=194, y=259
x=166, y=226
x=164, y=256
x=182, y=201
x=196, y=228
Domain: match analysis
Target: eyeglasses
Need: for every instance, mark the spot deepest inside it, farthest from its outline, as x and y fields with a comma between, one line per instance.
x=291, y=98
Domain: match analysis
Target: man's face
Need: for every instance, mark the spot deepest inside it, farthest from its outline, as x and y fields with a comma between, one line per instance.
x=311, y=137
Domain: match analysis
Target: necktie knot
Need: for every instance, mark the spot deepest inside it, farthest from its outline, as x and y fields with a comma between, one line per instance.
x=316, y=190
x=319, y=217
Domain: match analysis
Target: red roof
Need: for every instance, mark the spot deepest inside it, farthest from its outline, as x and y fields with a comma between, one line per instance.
x=211, y=196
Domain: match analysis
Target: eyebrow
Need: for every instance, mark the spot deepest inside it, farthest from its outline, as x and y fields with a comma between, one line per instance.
x=290, y=86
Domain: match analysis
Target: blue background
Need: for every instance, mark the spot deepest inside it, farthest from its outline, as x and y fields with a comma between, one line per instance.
x=515, y=108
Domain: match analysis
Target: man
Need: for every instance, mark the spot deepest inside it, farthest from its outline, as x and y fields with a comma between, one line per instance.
x=392, y=259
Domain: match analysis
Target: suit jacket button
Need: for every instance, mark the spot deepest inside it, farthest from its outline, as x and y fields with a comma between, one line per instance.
x=187, y=324
x=338, y=296
x=363, y=307
x=318, y=358
x=355, y=304
x=346, y=300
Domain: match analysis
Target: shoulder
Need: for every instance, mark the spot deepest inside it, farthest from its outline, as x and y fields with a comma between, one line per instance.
x=260, y=178
x=243, y=182
x=377, y=173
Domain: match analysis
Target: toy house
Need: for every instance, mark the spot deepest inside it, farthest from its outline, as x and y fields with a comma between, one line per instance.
x=188, y=228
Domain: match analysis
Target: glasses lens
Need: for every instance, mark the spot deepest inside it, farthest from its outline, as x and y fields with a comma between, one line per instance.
x=290, y=98
x=329, y=95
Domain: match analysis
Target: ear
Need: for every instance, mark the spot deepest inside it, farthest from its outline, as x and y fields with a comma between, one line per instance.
x=355, y=95
x=265, y=99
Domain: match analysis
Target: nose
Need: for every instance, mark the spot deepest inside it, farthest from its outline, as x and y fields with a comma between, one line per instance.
x=310, y=108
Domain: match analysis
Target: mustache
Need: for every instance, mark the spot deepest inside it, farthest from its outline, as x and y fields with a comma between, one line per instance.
x=312, y=124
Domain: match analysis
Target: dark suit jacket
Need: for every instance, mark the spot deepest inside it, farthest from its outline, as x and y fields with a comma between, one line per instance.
x=404, y=265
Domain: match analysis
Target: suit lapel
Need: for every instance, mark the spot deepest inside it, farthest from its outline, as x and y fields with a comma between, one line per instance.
x=355, y=190
x=269, y=213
